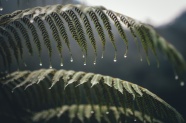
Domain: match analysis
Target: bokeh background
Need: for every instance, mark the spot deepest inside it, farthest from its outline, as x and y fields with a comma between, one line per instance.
x=167, y=17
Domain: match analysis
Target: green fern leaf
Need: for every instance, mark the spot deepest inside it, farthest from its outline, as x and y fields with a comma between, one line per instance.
x=27, y=22
x=98, y=27
x=55, y=34
x=61, y=27
x=119, y=28
x=11, y=44
x=95, y=88
x=45, y=36
x=77, y=19
x=6, y=51
x=25, y=35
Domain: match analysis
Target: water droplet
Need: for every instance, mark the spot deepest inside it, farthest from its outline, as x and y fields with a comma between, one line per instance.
x=115, y=60
x=135, y=120
x=84, y=64
x=50, y=66
x=102, y=55
x=182, y=83
x=94, y=63
x=31, y=20
x=12, y=91
x=91, y=112
x=43, y=18
x=83, y=56
x=107, y=112
x=176, y=77
x=25, y=64
x=1, y=8
x=40, y=64
x=61, y=64
x=71, y=59
x=125, y=56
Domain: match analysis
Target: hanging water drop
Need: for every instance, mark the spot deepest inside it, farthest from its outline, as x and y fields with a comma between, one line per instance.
x=1, y=8
x=25, y=64
x=40, y=64
x=141, y=59
x=176, y=77
x=125, y=56
x=91, y=112
x=31, y=20
x=61, y=64
x=43, y=18
x=83, y=56
x=107, y=112
x=50, y=66
x=135, y=120
x=71, y=59
x=102, y=55
x=182, y=83
x=115, y=59
x=94, y=63
x=84, y=63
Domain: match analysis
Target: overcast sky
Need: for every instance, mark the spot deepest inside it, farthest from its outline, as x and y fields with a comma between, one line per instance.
x=158, y=12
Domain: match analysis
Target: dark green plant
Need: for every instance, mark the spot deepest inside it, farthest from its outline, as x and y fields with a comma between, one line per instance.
x=102, y=94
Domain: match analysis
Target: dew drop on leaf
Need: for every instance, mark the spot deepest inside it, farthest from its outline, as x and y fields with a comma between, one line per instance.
x=115, y=60
x=1, y=8
x=43, y=18
x=71, y=59
x=61, y=64
x=102, y=55
x=31, y=20
x=182, y=83
x=107, y=112
x=25, y=64
x=94, y=63
x=125, y=56
x=176, y=77
x=50, y=66
x=91, y=112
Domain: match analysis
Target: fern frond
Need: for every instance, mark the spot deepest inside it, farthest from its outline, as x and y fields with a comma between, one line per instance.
x=4, y=47
x=45, y=36
x=79, y=29
x=89, y=30
x=62, y=30
x=79, y=18
x=88, y=88
x=86, y=112
x=98, y=27
x=27, y=22
x=11, y=42
x=25, y=36
x=119, y=28
x=17, y=39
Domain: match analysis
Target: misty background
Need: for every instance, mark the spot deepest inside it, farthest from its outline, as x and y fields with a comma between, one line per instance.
x=160, y=81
